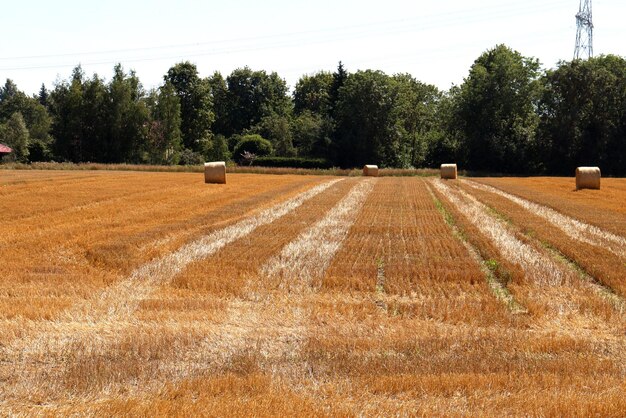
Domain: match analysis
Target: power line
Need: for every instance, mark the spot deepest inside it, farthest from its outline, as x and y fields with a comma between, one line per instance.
x=225, y=47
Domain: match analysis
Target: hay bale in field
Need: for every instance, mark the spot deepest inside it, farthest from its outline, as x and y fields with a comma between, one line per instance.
x=448, y=171
x=370, y=171
x=215, y=172
x=588, y=178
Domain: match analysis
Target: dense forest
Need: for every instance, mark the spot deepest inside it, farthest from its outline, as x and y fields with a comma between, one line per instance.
x=508, y=116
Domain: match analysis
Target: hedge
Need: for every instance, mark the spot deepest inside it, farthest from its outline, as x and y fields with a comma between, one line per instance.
x=292, y=162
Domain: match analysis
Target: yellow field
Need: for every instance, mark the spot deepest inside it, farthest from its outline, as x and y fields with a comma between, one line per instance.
x=152, y=294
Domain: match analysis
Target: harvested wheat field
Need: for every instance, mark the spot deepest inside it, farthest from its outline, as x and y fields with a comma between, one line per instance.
x=149, y=294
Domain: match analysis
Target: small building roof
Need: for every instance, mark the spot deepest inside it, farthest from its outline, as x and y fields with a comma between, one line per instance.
x=4, y=149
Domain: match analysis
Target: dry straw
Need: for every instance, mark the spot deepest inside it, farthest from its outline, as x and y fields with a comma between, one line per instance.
x=588, y=178
x=215, y=172
x=448, y=171
x=370, y=171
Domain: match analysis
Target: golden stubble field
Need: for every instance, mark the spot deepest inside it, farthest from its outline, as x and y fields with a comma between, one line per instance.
x=152, y=294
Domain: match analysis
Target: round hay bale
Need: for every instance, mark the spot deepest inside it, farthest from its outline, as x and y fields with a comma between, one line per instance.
x=215, y=172
x=588, y=178
x=448, y=171
x=370, y=171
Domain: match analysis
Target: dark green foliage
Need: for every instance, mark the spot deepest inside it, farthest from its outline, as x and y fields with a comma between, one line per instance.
x=128, y=118
x=495, y=111
x=35, y=118
x=94, y=121
x=506, y=117
x=43, y=96
x=293, y=162
x=219, y=149
x=189, y=157
x=365, y=127
x=277, y=130
x=254, y=144
x=313, y=93
x=196, y=106
x=219, y=93
x=251, y=96
x=415, y=106
x=583, y=116
x=311, y=134
x=163, y=136
x=339, y=79
x=17, y=138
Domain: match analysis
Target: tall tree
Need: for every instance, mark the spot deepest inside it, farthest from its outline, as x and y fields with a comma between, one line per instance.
x=164, y=136
x=219, y=95
x=277, y=129
x=43, y=95
x=313, y=125
x=95, y=123
x=127, y=117
x=196, y=105
x=340, y=76
x=415, y=117
x=496, y=108
x=313, y=93
x=35, y=117
x=253, y=95
x=16, y=137
x=445, y=139
x=365, y=124
x=8, y=90
x=66, y=107
x=583, y=116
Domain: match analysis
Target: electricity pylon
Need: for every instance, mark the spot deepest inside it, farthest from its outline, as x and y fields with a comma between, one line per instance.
x=584, y=31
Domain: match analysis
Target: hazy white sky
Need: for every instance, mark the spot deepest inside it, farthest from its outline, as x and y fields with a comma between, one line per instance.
x=434, y=40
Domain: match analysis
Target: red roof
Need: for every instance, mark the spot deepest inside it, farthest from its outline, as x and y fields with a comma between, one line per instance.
x=4, y=149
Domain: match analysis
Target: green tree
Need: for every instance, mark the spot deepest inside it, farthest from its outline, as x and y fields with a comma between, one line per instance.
x=127, y=115
x=340, y=76
x=253, y=95
x=313, y=125
x=196, y=105
x=414, y=113
x=497, y=111
x=219, y=94
x=445, y=140
x=35, y=116
x=94, y=121
x=365, y=124
x=17, y=137
x=583, y=116
x=254, y=144
x=43, y=95
x=277, y=129
x=219, y=150
x=311, y=134
x=165, y=148
x=312, y=93
x=8, y=90
x=94, y=124
x=66, y=108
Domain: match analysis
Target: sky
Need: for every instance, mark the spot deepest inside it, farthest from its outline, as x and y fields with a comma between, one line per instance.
x=436, y=41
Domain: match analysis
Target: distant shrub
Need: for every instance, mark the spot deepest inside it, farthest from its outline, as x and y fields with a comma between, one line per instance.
x=292, y=162
x=188, y=157
x=254, y=144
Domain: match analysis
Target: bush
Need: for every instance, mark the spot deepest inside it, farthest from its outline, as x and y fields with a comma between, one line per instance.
x=292, y=162
x=254, y=144
x=188, y=157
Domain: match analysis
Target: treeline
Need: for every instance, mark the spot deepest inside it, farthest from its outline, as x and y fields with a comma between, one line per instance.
x=508, y=116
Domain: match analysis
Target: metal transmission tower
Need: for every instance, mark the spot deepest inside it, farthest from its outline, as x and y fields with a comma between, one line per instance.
x=584, y=31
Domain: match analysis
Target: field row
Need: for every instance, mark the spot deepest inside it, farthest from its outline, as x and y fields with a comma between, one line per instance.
x=139, y=293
